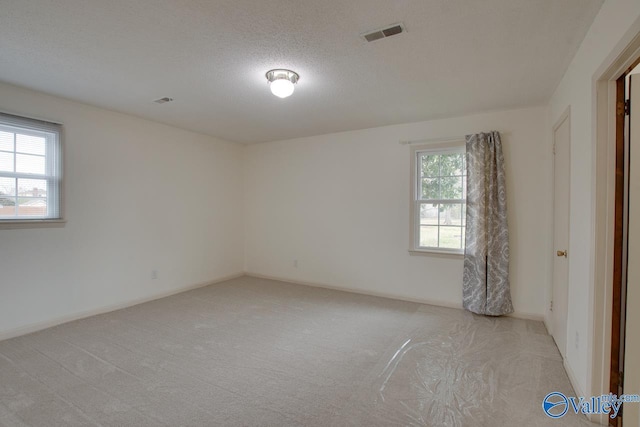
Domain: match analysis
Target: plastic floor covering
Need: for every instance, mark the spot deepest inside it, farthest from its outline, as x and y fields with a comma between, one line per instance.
x=253, y=352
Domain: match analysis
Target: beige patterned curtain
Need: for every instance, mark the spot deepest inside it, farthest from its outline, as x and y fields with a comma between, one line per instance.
x=486, y=256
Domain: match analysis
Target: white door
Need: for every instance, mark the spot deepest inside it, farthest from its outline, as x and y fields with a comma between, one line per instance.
x=631, y=416
x=559, y=302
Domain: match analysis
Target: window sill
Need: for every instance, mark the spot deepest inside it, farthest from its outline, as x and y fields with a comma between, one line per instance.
x=435, y=253
x=32, y=223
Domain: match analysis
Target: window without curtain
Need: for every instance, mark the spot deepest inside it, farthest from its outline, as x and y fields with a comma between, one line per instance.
x=30, y=170
x=439, y=200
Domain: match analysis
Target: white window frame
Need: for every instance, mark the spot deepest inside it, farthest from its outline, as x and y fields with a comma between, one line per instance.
x=448, y=147
x=52, y=132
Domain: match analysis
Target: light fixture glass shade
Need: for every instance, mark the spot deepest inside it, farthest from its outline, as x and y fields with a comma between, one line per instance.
x=282, y=82
x=282, y=88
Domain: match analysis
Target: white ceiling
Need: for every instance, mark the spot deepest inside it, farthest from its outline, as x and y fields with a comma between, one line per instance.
x=458, y=56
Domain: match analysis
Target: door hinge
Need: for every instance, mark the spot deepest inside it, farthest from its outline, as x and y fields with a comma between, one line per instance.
x=551, y=306
x=627, y=107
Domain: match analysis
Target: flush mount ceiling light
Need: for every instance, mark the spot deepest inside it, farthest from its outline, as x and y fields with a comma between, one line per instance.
x=282, y=82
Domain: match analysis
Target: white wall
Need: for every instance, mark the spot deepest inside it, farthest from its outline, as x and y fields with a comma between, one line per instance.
x=339, y=204
x=612, y=29
x=139, y=196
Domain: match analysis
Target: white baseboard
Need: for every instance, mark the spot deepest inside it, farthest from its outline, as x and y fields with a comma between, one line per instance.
x=547, y=324
x=38, y=326
x=439, y=303
x=572, y=378
x=601, y=419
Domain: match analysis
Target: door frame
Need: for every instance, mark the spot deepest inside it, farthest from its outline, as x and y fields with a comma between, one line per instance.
x=564, y=117
x=604, y=207
x=619, y=237
x=619, y=264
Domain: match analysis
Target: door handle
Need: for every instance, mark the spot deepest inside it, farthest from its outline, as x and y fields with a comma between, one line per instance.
x=562, y=253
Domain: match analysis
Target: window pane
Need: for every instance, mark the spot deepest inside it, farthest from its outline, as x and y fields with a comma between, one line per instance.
x=429, y=188
x=450, y=237
x=30, y=144
x=429, y=236
x=450, y=214
x=428, y=214
x=7, y=196
x=430, y=165
x=32, y=206
x=6, y=162
x=7, y=209
x=441, y=177
x=26, y=163
x=6, y=141
x=451, y=187
x=451, y=164
x=32, y=188
x=7, y=187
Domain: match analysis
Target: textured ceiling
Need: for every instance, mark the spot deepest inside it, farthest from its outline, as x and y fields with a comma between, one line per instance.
x=457, y=56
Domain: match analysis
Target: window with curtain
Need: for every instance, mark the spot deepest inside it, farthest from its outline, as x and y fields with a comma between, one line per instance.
x=439, y=199
x=30, y=170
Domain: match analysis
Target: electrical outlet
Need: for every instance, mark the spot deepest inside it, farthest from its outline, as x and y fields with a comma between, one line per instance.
x=295, y=263
x=154, y=274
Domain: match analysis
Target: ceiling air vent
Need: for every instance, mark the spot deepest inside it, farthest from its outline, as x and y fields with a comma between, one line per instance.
x=384, y=32
x=163, y=100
